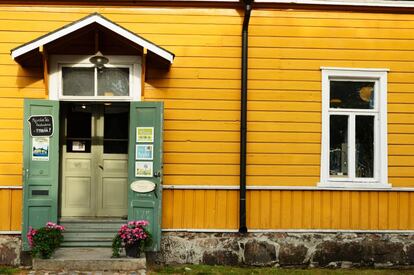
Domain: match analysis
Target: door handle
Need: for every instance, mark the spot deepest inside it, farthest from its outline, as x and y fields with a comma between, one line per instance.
x=100, y=166
x=157, y=174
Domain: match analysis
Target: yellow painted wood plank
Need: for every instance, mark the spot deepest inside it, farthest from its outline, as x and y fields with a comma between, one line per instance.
x=374, y=210
x=401, y=128
x=11, y=123
x=201, y=125
x=22, y=93
x=364, y=210
x=177, y=221
x=296, y=127
x=383, y=210
x=355, y=210
x=232, y=220
x=11, y=169
x=284, y=148
x=286, y=209
x=221, y=205
x=255, y=209
x=336, y=210
x=154, y=93
x=290, y=180
x=211, y=208
x=11, y=180
x=11, y=146
x=402, y=181
x=400, y=149
x=205, y=169
x=307, y=210
x=326, y=213
x=10, y=157
x=317, y=209
x=404, y=211
x=265, y=209
x=16, y=210
x=411, y=211
x=188, y=146
x=276, y=214
x=11, y=113
x=401, y=161
x=188, y=209
x=6, y=209
x=393, y=210
x=401, y=172
x=200, y=204
x=200, y=158
x=401, y=138
x=167, y=208
x=283, y=170
x=200, y=180
x=297, y=209
x=346, y=209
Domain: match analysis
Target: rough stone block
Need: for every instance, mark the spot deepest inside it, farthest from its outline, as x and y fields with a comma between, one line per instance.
x=290, y=254
x=259, y=253
x=220, y=257
x=10, y=249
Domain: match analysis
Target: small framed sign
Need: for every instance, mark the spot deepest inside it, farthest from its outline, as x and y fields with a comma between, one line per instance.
x=144, y=169
x=145, y=134
x=41, y=125
x=144, y=152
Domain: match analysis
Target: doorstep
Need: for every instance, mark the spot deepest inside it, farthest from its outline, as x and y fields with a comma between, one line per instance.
x=89, y=259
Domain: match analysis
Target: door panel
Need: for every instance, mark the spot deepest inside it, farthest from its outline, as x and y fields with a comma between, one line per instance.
x=40, y=177
x=146, y=205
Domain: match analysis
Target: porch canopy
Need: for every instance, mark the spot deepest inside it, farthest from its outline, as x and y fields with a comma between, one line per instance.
x=87, y=36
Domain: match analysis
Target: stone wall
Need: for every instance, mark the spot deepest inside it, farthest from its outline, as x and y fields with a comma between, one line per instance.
x=10, y=249
x=286, y=249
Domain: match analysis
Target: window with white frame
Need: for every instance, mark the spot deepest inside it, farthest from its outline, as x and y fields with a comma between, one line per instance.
x=354, y=128
x=74, y=78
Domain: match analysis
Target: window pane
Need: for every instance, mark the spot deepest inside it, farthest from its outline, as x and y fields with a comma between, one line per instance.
x=352, y=94
x=338, y=156
x=113, y=82
x=78, y=81
x=116, y=129
x=364, y=145
x=78, y=131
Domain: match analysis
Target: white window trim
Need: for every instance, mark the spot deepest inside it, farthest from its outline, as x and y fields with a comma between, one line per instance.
x=55, y=76
x=380, y=180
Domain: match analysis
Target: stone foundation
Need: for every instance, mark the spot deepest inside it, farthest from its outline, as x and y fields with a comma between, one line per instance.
x=344, y=250
x=10, y=249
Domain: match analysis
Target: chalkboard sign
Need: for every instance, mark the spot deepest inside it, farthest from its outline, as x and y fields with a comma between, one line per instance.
x=41, y=126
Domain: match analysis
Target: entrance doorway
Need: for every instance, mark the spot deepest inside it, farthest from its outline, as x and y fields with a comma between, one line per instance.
x=94, y=159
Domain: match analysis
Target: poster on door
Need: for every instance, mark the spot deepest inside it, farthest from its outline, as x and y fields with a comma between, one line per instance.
x=143, y=169
x=144, y=152
x=145, y=134
x=40, y=148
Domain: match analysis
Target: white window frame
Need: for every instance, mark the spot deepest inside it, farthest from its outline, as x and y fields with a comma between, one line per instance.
x=59, y=61
x=380, y=179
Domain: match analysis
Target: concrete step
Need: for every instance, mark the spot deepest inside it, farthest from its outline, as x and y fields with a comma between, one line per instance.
x=89, y=259
x=84, y=232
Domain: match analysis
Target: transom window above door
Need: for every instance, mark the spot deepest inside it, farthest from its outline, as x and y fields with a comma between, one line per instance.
x=74, y=78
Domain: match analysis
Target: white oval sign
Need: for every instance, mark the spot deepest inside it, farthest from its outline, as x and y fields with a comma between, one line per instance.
x=142, y=186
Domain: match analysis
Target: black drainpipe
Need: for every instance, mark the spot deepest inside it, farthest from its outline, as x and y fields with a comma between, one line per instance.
x=243, y=116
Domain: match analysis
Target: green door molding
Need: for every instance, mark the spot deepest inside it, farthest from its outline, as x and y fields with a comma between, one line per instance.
x=146, y=205
x=40, y=174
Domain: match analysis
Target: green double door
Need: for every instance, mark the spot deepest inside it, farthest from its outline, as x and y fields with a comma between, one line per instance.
x=92, y=160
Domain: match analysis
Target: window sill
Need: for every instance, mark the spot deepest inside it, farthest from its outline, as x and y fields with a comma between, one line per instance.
x=354, y=185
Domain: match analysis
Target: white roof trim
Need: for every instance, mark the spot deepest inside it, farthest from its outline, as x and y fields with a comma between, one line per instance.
x=357, y=3
x=95, y=18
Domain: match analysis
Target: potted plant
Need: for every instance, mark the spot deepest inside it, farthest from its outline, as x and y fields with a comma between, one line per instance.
x=135, y=237
x=45, y=240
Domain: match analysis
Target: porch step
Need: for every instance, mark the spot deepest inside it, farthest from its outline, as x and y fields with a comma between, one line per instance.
x=89, y=259
x=90, y=232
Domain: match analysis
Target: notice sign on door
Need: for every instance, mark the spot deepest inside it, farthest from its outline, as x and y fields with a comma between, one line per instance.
x=41, y=126
x=40, y=148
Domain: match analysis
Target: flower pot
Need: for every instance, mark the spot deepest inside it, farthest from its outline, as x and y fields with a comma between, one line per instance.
x=133, y=250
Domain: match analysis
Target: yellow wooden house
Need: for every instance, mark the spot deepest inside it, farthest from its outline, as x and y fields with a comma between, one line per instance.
x=269, y=117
